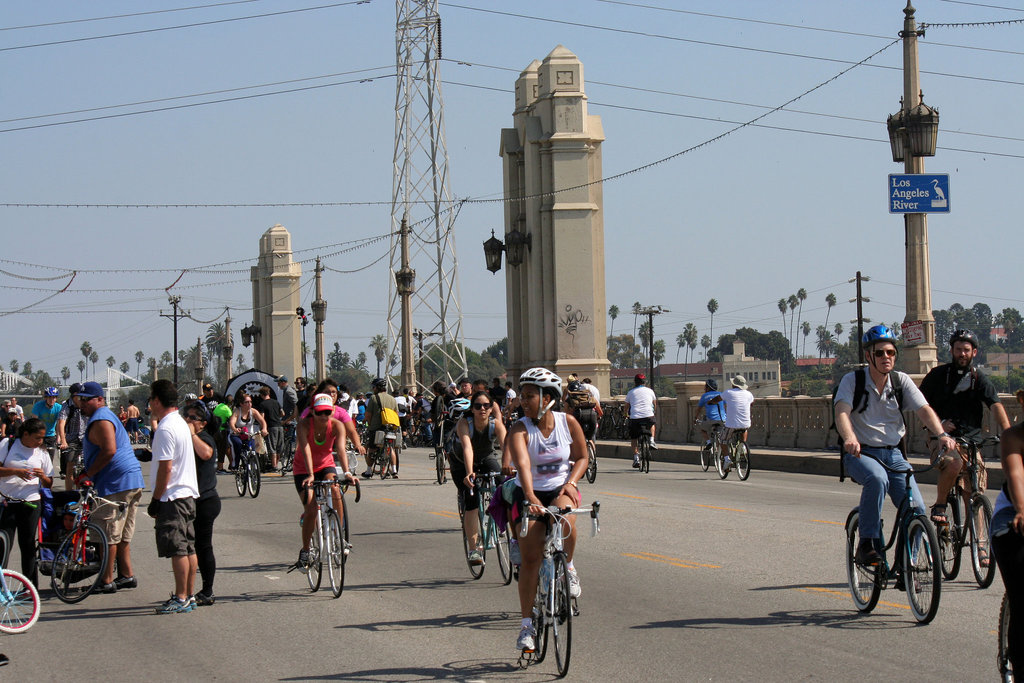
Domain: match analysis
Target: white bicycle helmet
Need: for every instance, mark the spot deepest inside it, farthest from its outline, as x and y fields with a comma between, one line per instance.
x=459, y=405
x=543, y=378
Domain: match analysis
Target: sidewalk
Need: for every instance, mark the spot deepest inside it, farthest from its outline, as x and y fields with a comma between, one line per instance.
x=824, y=463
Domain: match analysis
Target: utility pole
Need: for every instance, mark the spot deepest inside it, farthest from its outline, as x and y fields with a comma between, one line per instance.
x=175, y=316
x=860, y=299
x=319, y=316
x=301, y=313
x=650, y=312
x=405, y=281
x=420, y=334
x=228, y=349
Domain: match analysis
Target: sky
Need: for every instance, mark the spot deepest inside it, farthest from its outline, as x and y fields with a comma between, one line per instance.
x=266, y=104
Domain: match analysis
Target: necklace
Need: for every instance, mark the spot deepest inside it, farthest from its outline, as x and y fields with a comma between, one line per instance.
x=321, y=439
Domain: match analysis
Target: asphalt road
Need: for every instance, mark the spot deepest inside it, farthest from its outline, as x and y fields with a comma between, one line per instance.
x=691, y=579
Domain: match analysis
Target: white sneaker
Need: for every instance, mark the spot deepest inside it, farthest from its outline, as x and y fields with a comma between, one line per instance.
x=636, y=462
x=525, y=641
x=654, y=446
x=574, y=584
x=727, y=462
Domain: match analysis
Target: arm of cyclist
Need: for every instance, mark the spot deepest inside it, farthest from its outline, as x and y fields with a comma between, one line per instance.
x=845, y=428
x=231, y=423
x=353, y=436
x=462, y=434
x=1011, y=450
x=302, y=438
x=261, y=421
x=999, y=412
x=577, y=458
x=340, y=431
x=930, y=420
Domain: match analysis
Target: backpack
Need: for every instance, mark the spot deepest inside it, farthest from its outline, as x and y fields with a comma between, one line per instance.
x=73, y=425
x=859, y=405
x=578, y=397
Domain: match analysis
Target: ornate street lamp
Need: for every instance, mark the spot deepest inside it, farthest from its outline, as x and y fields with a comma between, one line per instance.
x=405, y=279
x=517, y=244
x=915, y=131
x=492, y=252
x=250, y=334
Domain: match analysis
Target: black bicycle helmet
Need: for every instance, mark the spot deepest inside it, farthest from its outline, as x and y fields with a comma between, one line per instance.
x=878, y=333
x=964, y=336
x=711, y=385
x=379, y=384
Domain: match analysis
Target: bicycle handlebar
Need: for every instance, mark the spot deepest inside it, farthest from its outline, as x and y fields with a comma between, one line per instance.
x=559, y=513
x=324, y=483
x=977, y=442
x=909, y=472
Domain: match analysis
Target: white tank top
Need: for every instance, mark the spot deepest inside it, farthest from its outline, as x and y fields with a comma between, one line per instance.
x=549, y=457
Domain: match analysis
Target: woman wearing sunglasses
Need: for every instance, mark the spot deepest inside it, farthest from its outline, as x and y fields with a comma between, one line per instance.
x=477, y=450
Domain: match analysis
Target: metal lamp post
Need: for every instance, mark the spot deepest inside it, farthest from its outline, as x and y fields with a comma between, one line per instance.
x=301, y=313
x=200, y=370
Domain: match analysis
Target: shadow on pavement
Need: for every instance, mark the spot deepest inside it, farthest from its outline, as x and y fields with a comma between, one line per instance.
x=485, y=620
x=405, y=532
x=258, y=567
x=461, y=671
x=429, y=584
x=844, y=619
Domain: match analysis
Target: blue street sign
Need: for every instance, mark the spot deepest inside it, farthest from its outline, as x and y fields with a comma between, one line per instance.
x=918, y=193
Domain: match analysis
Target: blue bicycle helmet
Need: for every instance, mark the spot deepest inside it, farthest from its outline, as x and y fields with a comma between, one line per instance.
x=459, y=405
x=51, y=391
x=878, y=333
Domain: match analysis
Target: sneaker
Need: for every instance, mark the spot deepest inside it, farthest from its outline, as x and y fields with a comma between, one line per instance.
x=347, y=548
x=475, y=558
x=654, y=446
x=124, y=582
x=204, y=599
x=192, y=603
x=525, y=641
x=303, y=561
x=636, y=462
x=727, y=462
x=368, y=474
x=514, y=556
x=175, y=605
x=574, y=584
x=866, y=554
x=106, y=588
x=394, y=474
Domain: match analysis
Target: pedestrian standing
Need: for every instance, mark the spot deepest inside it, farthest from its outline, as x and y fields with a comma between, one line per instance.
x=197, y=416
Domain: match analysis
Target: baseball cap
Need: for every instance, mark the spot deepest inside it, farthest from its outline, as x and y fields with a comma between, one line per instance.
x=640, y=376
x=207, y=386
x=323, y=403
x=90, y=390
x=282, y=378
x=73, y=389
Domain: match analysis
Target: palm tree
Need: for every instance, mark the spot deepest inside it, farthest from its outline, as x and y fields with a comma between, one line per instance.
x=81, y=370
x=705, y=341
x=216, y=339
x=801, y=294
x=139, y=356
x=125, y=367
x=839, y=335
x=782, y=310
x=379, y=344
x=691, y=345
x=824, y=340
x=636, y=312
x=86, y=349
x=613, y=313
x=806, y=327
x=793, y=303
x=65, y=373
x=94, y=358
x=712, y=307
x=27, y=369
x=14, y=366
x=111, y=362
x=680, y=344
x=830, y=300
x=690, y=332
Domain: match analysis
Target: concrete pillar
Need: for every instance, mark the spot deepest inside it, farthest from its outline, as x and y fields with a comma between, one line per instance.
x=275, y=296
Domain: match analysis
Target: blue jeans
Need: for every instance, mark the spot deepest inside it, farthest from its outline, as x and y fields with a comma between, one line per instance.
x=876, y=482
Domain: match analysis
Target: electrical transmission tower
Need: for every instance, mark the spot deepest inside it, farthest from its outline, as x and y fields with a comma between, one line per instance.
x=422, y=210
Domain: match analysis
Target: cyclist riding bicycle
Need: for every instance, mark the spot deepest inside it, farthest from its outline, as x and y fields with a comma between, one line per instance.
x=375, y=406
x=477, y=451
x=957, y=392
x=710, y=410
x=584, y=400
x=550, y=455
x=1008, y=537
x=643, y=404
x=875, y=426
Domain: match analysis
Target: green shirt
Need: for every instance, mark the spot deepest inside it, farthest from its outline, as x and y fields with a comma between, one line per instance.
x=223, y=413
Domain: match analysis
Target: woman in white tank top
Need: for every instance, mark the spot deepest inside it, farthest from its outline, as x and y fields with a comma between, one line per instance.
x=549, y=452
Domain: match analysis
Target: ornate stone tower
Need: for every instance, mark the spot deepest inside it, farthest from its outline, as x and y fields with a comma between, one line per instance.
x=275, y=296
x=555, y=298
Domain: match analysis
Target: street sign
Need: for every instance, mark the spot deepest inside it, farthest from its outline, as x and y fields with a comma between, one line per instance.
x=913, y=333
x=918, y=193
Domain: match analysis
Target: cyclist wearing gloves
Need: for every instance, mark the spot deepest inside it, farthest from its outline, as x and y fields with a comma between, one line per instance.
x=550, y=455
x=873, y=424
x=478, y=442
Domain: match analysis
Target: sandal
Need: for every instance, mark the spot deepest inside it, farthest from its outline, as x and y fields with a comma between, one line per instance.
x=939, y=515
x=983, y=559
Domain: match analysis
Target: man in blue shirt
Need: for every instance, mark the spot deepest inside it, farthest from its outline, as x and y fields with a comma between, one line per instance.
x=710, y=409
x=48, y=410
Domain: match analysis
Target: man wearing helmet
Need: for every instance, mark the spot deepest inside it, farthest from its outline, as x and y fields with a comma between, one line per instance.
x=48, y=410
x=375, y=406
x=710, y=410
x=957, y=391
x=643, y=404
x=875, y=427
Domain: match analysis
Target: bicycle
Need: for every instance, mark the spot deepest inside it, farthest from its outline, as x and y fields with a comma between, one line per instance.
x=290, y=444
x=19, y=599
x=591, y=461
x=380, y=457
x=974, y=531
x=486, y=484
x=247, y=469
x=330, y=537
x=554, y=608
x=644, y=451
x=1003, y=653
x=738, y=456
x=916, y=568
x=81, y=556
x=710, y=452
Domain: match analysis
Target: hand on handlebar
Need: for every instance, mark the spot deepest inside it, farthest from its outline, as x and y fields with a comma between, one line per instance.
x=948, y=444
x=469, y=480
x=852, y=447
x=307, y=481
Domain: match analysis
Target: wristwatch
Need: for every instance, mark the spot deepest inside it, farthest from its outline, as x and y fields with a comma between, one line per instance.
x=944, y=434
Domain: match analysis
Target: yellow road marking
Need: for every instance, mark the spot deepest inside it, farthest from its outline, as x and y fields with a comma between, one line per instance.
x=674, y=561
x=620, y=495
x=715, y=507
x=392, y=501
x=825, y=521
x=449, y=515
x=845, y=596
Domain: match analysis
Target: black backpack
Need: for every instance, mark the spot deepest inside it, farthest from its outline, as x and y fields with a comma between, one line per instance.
x=860, y=404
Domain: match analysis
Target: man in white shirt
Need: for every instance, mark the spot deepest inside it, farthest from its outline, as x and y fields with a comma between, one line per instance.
x=737, y=405
x=642, y=404
x=175, y=489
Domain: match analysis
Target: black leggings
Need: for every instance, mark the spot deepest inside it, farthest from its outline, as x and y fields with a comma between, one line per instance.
x=471, y=497
x=207, y=510
x=24, y=519
x=1009, y=552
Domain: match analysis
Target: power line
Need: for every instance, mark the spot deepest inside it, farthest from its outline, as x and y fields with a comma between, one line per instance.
x=123, y=16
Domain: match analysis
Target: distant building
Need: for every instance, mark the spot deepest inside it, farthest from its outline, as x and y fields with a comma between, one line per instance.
x=1000, y=363
x=997, y=334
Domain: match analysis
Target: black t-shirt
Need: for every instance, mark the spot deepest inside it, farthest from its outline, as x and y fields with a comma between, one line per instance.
x=497, y=395
x=271, y=412
x=964, y=407
x=206, y=470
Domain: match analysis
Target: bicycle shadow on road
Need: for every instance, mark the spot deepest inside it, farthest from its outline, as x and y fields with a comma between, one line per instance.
x=842, y=619
x=429, y=584
x=406, y=532
x=482, y=620
x=460, y=671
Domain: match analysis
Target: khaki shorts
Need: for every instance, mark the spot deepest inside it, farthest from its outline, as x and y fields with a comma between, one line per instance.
x=963, y=480
x=118, y=529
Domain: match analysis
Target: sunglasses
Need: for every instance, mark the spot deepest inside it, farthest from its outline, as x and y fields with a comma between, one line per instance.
x=323, y=413
x=481, y=406
x=194, y=418
x=882, y=353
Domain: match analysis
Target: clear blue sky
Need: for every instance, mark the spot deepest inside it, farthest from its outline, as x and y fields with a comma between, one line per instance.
x=797, y=201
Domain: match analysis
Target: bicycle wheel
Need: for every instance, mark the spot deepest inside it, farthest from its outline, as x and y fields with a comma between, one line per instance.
x=950, y=544
x=475, y=570
x=1003, y=655
x=591, y=462
x=502, y=539
x=79, y=563
x=863, y=579
x=5, y=547
x=440, y=463
x=720, y=457
x=982, y=561
x=19, y=603
x=561, y=617
x=707, y=455
x=253, y=483
x=742, y=461
x=645, y=454
x=335, y=553
x=316, y=560
x=241, y=475
x=921, y=575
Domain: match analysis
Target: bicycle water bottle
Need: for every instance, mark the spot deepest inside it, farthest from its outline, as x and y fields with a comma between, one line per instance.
x=546, y=568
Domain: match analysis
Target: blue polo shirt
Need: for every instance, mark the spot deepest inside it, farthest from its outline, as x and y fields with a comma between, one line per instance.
x=48, y=414
x=123, y=472
x=712, y=411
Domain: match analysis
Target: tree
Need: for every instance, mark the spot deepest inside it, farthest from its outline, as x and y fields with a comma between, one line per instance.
x=27, y=369
x=242, y=366
x=81, y=370
x=782, y=310
x=645, y=336
x=94, y=358
x=824, y=341
x=215, y=341
x=691, y=345
x=111, y=362
x=14, y=366
x=690, y=332
x=806, y=327
x=793, y=303
x=770, y=346
x=623, y=351
x=680, y=344
x=86, y=349
x=166, y=359
x=705, y=341
x=613, y=313
x=636, y=312
x=658, y=350
x=712, y=307
x=801, y=295
x=337, y=360
x=360, y=363
x=983, y=316
x=379, y=344
x=499, y=352
x=830, y=301
x=125, y=367
x=139, y=355
x=65, y=373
